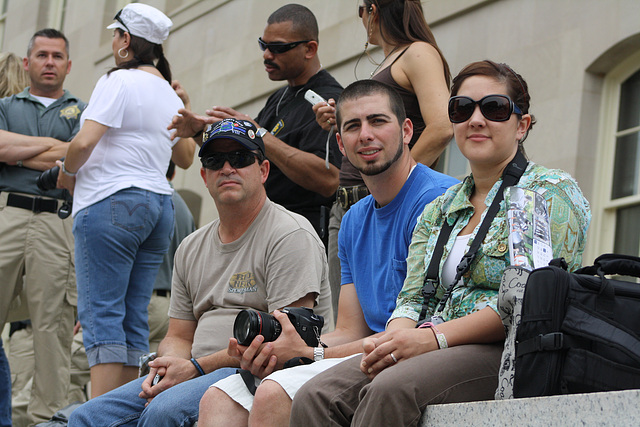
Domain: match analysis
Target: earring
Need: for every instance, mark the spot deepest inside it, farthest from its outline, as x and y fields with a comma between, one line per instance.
x=120, y=53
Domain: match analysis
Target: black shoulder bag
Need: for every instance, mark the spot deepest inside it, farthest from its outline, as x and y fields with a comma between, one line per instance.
x=580, y=331
x=510, y=177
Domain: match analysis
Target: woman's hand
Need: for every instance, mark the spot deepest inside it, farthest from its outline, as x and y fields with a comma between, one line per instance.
x=325, y=114
x=402, y=343
x=182, y=94
x=65, y=181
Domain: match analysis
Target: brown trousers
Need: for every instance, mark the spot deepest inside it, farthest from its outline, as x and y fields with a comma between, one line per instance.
x=343, y=395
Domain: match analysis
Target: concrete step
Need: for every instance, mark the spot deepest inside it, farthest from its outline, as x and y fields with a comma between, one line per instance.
x=619, y=409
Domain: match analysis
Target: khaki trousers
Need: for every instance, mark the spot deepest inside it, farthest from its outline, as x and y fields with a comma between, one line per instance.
x=158, y=320
x=21, y=360
x=39, y=246
x=335, y=219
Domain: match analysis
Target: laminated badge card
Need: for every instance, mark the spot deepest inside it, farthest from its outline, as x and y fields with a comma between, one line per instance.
x=529, y=229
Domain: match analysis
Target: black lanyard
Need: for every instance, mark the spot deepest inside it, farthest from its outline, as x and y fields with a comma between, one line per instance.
x=510, y=177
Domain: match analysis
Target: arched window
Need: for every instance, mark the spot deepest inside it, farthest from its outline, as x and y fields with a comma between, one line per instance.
x=616, y=210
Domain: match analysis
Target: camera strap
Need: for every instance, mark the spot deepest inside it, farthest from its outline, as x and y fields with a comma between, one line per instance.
x=510, y=177
x=249, y=380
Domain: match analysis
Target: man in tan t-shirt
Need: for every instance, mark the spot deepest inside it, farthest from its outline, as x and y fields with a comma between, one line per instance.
x=257, y=255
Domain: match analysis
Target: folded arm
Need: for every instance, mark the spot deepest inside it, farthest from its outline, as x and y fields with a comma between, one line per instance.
x=15, y=146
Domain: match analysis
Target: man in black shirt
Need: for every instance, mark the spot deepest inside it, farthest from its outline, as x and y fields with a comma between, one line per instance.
x=303, y=178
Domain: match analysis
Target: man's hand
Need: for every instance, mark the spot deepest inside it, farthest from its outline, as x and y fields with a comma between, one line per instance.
x=325, y=114
x=403, y=343
x=173, y=370
x=221, y=113
x=263, y=358
x=256, y=358
x=186, y=124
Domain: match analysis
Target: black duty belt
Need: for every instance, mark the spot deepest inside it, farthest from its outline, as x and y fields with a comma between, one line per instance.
x=348, y=196
x=33, y=204
x=161, y=292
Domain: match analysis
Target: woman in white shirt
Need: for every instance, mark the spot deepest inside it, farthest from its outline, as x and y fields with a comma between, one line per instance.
x=123, y=214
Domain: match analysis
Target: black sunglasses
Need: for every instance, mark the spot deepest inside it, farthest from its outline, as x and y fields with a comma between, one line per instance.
x=237, y=159
x=117, y=18
x=497, y=108
x=361, y=9
x=278, y=47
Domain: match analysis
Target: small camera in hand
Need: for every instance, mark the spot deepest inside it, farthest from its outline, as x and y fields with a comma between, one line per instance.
x=251, y=323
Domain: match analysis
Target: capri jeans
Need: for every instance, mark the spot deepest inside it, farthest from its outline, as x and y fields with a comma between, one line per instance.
x=344, y=396
x=120, y=242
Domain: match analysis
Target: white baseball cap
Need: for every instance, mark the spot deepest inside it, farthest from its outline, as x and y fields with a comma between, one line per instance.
x=144, y=21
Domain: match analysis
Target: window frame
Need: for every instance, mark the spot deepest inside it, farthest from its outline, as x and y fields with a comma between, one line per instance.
x=604, y=208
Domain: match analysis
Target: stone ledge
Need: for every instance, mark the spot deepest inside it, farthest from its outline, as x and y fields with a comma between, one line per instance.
x=619, y=408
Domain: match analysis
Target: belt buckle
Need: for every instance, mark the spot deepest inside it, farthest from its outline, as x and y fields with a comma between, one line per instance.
x=343, y=197
x=36, y=205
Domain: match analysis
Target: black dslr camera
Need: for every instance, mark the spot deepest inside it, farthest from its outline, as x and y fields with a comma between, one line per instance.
x=251, y=323
x=48, y=179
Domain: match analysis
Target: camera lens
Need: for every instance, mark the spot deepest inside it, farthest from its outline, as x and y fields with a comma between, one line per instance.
x=249, y=324
x=48, y=179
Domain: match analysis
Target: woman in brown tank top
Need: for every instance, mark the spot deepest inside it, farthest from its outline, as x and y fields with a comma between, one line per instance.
x=414, y=66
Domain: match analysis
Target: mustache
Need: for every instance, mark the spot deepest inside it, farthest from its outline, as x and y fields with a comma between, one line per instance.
x=271, y=64
x=220, y=180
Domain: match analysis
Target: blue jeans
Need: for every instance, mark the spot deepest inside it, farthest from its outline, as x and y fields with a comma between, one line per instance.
x=5, y=389
x=177, y=406
x=119, y=244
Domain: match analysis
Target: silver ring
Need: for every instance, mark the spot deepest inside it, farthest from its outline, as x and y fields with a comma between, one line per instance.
x=393, y=358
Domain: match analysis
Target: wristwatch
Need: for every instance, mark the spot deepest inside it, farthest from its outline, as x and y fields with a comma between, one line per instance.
x=318, y=353
x=261, y=132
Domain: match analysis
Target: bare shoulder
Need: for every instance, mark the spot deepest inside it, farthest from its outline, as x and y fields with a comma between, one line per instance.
x=421, y=54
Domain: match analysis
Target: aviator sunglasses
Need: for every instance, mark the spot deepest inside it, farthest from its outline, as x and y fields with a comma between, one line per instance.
x=237, y=159
x=278, y=47
x=497, y=108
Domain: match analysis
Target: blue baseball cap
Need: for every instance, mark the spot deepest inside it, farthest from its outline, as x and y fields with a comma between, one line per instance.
x=241, y=131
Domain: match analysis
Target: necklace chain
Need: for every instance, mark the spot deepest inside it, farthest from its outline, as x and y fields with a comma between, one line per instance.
x=384, y=60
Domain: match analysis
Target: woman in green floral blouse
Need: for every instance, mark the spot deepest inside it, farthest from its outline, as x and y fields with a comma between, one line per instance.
x=406, y=369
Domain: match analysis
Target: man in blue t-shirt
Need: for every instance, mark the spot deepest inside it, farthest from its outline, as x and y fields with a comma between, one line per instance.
x=374, y=134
